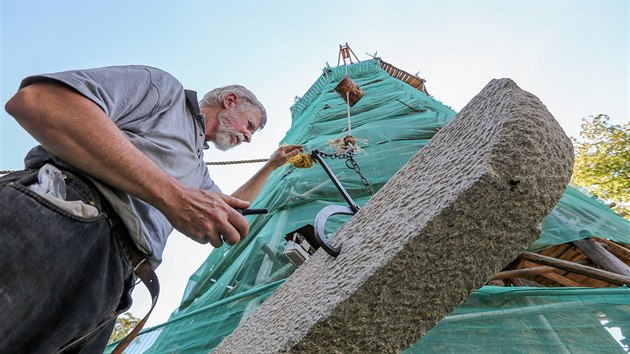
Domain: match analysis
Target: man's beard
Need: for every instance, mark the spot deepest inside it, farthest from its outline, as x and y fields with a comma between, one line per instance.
x=225, y=132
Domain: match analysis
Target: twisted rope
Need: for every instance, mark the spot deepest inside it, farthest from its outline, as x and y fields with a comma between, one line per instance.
x=234, y=162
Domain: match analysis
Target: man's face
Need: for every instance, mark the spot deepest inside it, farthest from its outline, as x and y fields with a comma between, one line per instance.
x=235, y=126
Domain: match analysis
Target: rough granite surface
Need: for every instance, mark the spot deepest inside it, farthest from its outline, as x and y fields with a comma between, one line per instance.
x=451, y=218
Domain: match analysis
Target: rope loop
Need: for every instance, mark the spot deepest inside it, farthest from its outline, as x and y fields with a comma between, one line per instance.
x=301, y=161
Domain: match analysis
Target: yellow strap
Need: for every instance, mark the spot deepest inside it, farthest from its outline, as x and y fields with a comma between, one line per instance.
x=301, y=161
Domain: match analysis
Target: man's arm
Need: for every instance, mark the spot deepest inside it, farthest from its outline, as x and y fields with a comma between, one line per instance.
x=250, y=190
x=77, y=131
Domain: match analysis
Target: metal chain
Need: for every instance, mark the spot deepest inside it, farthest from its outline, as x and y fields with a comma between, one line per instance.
x=353, y=165
x=335, y=156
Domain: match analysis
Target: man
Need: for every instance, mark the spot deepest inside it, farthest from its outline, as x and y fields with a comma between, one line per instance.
x=120, y=164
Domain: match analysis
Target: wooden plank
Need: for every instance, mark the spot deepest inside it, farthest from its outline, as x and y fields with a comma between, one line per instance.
x=600, y=274
x=572, y=254
x=561, y=280
x=580, y=278
x=528, y=264
x=602, y=257
x=594, y=283
x=523, y=263
x=555, y=251
x=404, y=76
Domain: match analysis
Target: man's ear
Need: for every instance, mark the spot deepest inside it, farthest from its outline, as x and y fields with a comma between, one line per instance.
x=229, y=101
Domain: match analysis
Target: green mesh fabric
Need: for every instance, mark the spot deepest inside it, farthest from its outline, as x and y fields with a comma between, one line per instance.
x=391, y=122
x=578, y=216
x=534, y=320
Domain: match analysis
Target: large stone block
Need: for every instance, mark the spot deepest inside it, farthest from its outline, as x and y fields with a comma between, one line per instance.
x=451, y=218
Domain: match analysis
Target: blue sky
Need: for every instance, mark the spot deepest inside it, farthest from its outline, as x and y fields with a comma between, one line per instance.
x=572, y=54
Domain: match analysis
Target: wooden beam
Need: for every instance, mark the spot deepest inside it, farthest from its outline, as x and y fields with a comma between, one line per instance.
x=614, y=248
x=524, y=272
x=602, y=257
x=604, y=275
x=532, y=269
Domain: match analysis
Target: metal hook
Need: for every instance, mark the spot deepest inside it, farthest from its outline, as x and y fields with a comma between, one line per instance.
x=320, y=225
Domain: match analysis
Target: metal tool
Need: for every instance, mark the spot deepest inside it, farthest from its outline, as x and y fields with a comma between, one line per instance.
x=252, y=211
x=320, y=225
x=316, y=154
x=248, y=212
x=303, y=242
x=327, y=212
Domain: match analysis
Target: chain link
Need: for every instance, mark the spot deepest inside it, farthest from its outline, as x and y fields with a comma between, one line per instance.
x=353, y=165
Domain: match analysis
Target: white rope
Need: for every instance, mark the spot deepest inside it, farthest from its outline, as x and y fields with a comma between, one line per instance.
x=348, y=105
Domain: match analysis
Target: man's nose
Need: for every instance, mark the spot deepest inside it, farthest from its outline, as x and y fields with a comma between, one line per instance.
x=247, y=136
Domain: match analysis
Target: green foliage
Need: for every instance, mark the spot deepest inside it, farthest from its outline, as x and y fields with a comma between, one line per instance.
x=602, y=161
x=125, y=323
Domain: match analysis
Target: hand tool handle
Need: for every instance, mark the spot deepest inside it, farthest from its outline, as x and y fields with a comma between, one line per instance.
x=252, y=211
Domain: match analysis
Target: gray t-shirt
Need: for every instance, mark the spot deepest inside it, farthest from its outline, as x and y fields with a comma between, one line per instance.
x=149, y=106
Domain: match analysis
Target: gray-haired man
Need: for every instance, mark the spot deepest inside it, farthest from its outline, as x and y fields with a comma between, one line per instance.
x=120, y=164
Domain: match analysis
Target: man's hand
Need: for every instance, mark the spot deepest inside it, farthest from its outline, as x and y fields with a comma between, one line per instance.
x=283, y=154
x=250, y=190
x=205, y=216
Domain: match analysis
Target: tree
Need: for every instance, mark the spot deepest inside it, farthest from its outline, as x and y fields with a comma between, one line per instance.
x=124, y=324
x=602, y=161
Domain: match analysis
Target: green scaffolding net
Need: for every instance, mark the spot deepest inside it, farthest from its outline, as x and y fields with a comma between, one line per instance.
x=391, y=122
x=534, y=320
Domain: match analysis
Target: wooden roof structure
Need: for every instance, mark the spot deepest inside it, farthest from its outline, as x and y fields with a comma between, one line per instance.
x=412, y=80
x=591, y=262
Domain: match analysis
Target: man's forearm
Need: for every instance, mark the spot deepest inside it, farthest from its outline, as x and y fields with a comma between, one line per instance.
x=250, y=190
x=77, y=131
